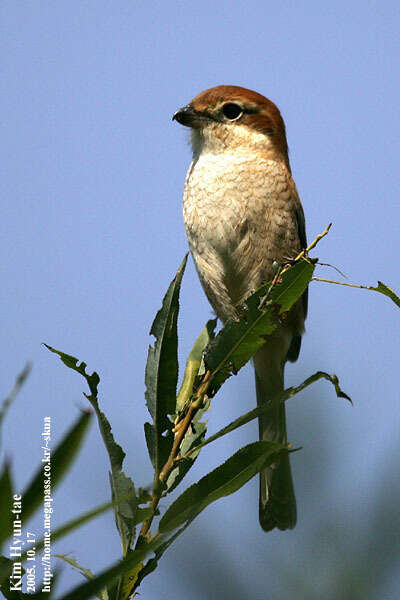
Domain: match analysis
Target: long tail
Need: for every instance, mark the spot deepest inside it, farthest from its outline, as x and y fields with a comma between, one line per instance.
x=277, y=500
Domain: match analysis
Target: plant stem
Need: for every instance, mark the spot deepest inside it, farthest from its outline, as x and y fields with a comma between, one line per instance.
x=180, y=432
x=353, y=285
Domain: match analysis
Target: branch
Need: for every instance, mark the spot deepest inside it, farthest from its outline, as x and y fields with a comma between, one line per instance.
x=314, y=243
x=180, y=431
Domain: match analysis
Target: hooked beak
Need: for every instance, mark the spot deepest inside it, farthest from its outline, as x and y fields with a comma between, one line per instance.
x=190, y=117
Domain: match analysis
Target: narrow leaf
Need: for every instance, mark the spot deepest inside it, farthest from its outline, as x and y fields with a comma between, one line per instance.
x=7, y=585
x=6, y=565
x=71, y=525
x=381, y=288
x=124, y=509
x=162, y=375
x=11, y=594
x=283, y=396
x=88, y=589
x=222, y=481
x=129, y=581
x=75, y=364
x=143, y=495
x=6, y=501
x=60, y=460
x=193, y=363
x=74, y=563
x=14, y=392
x=190, y=444
x=121, y=485
x=238, y=341
x=387, y=291
x=142, y=514
x=70, y=560
x=196, y=433
x=152, y=564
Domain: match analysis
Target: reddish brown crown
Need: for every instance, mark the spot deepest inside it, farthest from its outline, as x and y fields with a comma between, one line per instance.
x=260, y=114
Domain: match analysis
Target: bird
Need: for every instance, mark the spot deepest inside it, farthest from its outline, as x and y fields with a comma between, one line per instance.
x=242, y=215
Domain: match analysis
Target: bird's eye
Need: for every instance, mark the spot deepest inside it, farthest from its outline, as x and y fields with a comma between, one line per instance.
x=232, y=111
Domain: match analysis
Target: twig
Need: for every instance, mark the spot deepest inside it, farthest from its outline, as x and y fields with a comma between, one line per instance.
x=273, y=282
x=321, y=264
x=180, y=432
x=318, y=238
x=353, y=285
x=314, y=243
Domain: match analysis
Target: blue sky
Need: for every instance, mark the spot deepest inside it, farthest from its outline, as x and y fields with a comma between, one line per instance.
x=92, y=233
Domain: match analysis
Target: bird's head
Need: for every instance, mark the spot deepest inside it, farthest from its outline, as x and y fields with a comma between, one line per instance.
x=229, y=117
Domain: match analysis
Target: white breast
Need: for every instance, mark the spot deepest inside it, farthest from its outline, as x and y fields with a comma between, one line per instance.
x=230, y=204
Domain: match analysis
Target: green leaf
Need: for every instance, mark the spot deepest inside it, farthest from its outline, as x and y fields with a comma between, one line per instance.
x=194, y=362
x=128, y=582
x=195, y=434
x=6, y=568
x=162, y=375
x=264, y=310
x=6, y=571
x=381, y=288
x=60, y=461
x=127, y=565
x=6, y=565
x=152, y=564
x=6, y=502
x=222, y=481
x=283, y=396
x=102, y=594
x=122, y=487
x=71, y=525
x=190, y=443
x=73, y=562
x=293, y=284
x=14, y=392
x=386, y=291
x=142, y=514
x=143, y=495
x=125, y=507
x=75, y=364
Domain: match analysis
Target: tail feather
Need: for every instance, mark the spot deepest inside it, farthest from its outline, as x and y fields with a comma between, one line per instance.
x=277, y=507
